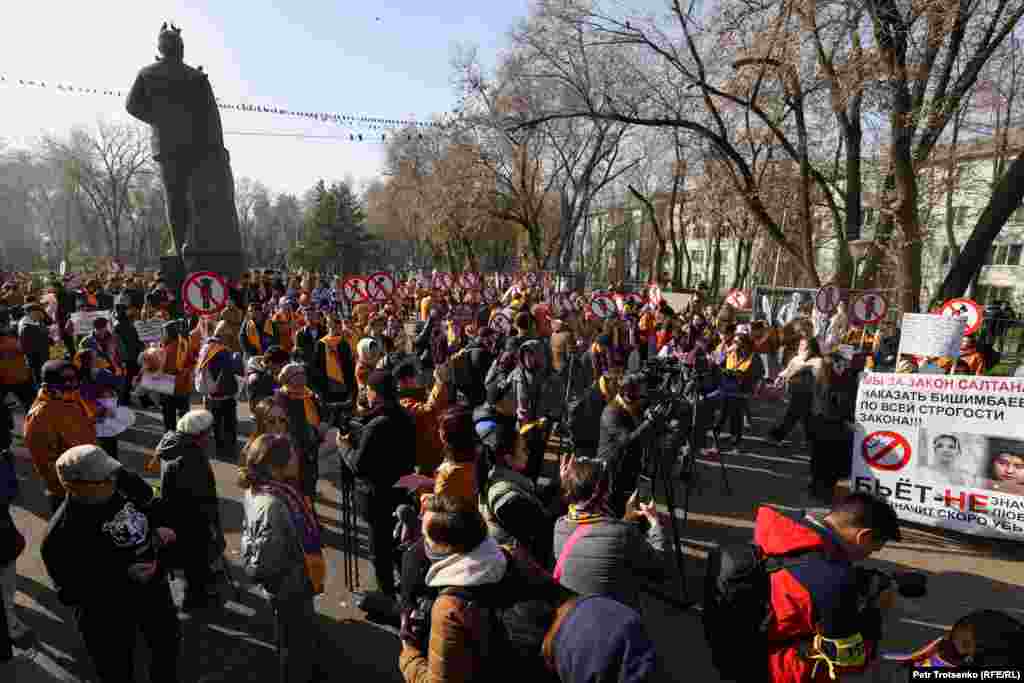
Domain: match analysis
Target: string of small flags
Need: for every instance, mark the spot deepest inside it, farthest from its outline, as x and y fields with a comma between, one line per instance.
x=347, y=120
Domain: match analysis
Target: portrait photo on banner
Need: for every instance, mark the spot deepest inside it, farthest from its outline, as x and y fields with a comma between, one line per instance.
x=970, y=460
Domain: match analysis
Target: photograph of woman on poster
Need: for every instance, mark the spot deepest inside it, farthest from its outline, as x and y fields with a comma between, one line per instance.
x=1005, y=472
x=949, y=458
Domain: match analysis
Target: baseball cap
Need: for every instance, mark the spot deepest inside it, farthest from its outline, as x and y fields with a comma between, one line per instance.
x=86, y=463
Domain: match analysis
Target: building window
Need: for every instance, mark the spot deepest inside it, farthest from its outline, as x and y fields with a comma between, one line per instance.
x=1013, y=258
x=1005, y=255
x=1000, y=257
x=960, y=216
x=987, y=294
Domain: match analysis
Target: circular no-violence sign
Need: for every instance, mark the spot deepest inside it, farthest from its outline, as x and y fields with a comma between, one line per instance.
x=380, y=287
x=887, y=451
x=355, y=289
x=968, y=309
x=204, y=293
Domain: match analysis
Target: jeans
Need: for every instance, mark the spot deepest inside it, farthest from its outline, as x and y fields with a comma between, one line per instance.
x=109, y=632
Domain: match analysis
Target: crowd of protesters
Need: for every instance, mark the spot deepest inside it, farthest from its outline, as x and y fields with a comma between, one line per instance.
x=498, y=553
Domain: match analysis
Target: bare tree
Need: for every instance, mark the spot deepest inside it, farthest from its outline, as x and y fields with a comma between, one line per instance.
x=110, y=163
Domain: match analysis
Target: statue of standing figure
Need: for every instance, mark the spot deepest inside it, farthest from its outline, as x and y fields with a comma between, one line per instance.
x=177, y=101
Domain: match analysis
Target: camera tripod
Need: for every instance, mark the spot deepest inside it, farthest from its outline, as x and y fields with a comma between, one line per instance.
x=341, y=418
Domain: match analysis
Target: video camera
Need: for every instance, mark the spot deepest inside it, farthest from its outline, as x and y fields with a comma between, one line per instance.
x=871, y=583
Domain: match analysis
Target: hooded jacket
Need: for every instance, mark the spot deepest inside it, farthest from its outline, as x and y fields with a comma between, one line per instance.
x=458, y=629
x=53, y=425
x=188, y=487
x=818, y=596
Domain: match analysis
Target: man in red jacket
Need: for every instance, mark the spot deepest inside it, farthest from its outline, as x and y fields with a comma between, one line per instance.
x=826, y=612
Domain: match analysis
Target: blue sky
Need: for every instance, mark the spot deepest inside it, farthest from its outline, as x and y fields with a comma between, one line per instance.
x=390, y=60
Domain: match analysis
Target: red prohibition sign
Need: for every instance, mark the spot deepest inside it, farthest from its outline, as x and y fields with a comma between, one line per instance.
x=355, y=289
x=888, y=451
x=380, y=286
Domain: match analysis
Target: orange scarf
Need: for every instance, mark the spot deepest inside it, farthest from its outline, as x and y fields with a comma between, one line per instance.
x=740, y=365
x=306, y=396
x=253, y=336
x=211, y=350
x=333, y=364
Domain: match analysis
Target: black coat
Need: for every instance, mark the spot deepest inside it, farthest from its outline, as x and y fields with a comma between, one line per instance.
x=384, y=450
x=130, y=342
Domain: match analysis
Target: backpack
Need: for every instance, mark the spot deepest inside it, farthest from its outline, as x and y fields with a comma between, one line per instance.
x=515, y=628
x=737, y=608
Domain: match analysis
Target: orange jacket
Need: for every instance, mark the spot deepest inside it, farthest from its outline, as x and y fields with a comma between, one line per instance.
x=13, y=366
x=429, y=449
x=52, y=426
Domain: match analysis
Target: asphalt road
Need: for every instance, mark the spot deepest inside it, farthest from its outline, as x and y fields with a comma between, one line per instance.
x=236, y=643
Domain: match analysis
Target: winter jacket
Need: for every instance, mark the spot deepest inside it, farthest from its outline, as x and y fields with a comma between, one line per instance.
x=33, y=337
x=425, y=413
x=562, y=342
x=819, y=593
x=609, y=557
x=598, y=640
x=621, y=434
x=263, y=339
x=53, y=425
x=13, y=365
x=189, y=489
x=329, y=387
x=89, y=547
x=271, y=549
x=128, y=335
x=529, y=389
x=386, y=449
x=459, y=630
x=585, y=419
x=306, y=340
x=259, y=380
x=514, y=513
x=478, y=361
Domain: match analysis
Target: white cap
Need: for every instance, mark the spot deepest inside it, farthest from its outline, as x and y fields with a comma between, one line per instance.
x=195, y=422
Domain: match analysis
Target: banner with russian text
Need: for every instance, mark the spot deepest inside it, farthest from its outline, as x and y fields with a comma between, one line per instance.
x=946, y=451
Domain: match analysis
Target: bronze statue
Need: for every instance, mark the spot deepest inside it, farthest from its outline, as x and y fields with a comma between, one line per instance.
x=177, y=101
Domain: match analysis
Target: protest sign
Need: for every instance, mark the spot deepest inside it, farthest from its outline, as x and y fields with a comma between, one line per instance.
x=150, y=331
x=157, y=382
x=944, y=450
x=83, y=320
x=922, y=334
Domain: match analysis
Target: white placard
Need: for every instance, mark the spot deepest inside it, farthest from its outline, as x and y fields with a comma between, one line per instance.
x=944, y=450
x=150, y=331
x=83, y=320
x=923, y=334
x=158, y=382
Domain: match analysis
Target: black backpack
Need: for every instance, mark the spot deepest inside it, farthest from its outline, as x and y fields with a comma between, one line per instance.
x=737, y=608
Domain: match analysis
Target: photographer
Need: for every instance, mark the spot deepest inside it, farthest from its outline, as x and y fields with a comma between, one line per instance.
x=827, y=612
x=383, y=452
x=625, y=431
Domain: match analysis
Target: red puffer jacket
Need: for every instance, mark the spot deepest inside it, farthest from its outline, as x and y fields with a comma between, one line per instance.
x=817, y=596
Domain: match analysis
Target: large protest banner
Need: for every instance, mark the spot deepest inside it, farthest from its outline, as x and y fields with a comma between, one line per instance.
x=946, y=451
